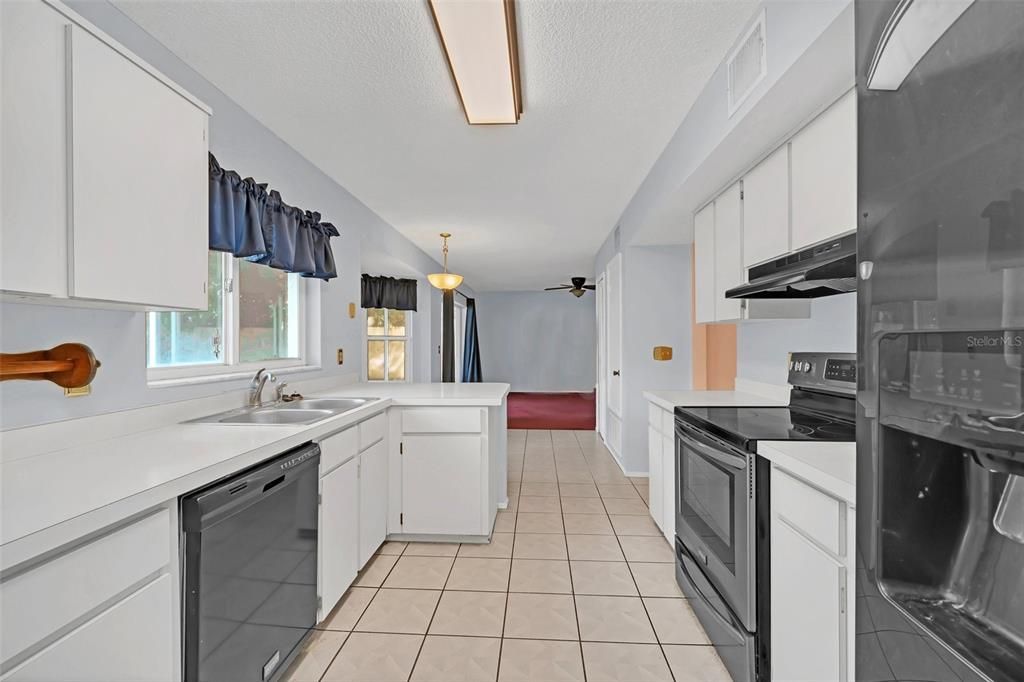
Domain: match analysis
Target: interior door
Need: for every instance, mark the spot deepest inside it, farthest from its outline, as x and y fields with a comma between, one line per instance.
x=613, y=285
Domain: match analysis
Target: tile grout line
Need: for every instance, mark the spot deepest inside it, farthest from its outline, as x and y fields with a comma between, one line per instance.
x=572, y=582
x=376, y=591
x=433, y=613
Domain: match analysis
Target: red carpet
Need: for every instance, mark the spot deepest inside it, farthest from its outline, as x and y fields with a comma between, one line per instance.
x=552, y=411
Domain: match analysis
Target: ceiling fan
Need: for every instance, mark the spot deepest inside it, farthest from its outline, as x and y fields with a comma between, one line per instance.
x=577, y=288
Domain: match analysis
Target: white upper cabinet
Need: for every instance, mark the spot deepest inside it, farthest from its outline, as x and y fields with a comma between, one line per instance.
x=729, y=270
x=824, y=175
x=704, y=263
x=104, y=185
x=33, y=141
x=766, y=209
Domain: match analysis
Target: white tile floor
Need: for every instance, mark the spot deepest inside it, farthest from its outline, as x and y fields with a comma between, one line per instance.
x=576, y=584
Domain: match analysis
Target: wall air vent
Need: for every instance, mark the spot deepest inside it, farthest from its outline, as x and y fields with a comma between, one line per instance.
x=747, y=64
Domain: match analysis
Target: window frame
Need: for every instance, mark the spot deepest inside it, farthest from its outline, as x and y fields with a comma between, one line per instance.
x=409, y=329
x=229, y=367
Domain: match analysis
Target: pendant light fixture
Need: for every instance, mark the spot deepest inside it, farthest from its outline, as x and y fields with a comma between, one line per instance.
x=445, y=281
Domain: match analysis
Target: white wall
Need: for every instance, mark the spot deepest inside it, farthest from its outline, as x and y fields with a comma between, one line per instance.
x=118, y=338
x=538, y=340
x=762, y=345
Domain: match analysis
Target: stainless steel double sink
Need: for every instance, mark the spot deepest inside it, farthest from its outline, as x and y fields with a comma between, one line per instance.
x=304, y=411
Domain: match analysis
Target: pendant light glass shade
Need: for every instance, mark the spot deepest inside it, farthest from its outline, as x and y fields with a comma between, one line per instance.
x=445, y=280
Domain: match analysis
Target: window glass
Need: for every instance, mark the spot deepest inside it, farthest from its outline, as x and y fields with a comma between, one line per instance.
x=396, y=323
x=267, y=313
x=396, y=360
x=375, y=354
x=191, y=338
x=375, y=321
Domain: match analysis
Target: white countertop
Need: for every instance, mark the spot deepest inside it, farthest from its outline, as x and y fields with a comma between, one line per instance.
x=144, y=469
x=486, y=394
x=671, y=399
x=829, y=466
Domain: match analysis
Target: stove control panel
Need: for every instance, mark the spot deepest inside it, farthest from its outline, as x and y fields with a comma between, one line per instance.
x=835, y=372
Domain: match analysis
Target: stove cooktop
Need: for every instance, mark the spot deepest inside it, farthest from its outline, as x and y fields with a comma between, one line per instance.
x=744, y=426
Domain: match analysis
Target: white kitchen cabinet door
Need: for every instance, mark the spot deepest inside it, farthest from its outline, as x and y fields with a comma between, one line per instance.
x=808, y=609
x=132, y=641
x=338, y=536
x=728, y=257
x=373, y=500
x=704, y=263
x=443, y=484
x=33, y=136
x=766, y=209
x=139, y=170
x=655, y=502
x=668, y=483
x=824, y=174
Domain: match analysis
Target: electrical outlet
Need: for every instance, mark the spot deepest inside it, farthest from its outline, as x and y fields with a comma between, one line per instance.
x=341, y=356
x=77, y=392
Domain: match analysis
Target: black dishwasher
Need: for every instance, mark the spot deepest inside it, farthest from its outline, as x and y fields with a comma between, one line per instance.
x=249, y=543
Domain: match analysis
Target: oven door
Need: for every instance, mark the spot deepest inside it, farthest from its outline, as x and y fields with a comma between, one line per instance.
x=715, y=515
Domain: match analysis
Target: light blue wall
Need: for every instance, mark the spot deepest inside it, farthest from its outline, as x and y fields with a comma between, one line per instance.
x=656, y=312
x=240, y=142
x=762, y=345
x=538, y=340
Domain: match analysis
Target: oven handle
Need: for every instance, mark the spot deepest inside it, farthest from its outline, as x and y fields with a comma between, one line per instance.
x=706, y=449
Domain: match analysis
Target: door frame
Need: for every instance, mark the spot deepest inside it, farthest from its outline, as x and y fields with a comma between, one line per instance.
x=602, y=355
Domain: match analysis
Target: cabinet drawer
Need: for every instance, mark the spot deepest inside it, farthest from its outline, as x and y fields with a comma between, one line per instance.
x=133, y=641
x=442, y=420
x=46, y=598
x=372, y=430
x=338, y=449
x=816, y=514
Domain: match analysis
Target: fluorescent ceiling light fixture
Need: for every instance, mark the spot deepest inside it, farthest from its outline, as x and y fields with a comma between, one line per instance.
x=479, y=42
x=915, y=25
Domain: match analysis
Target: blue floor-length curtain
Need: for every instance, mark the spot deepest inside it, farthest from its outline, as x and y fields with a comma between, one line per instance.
x=471, y=350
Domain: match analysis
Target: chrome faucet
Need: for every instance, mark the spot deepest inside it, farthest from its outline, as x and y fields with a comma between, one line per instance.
x=279, y=392
x=255, y=398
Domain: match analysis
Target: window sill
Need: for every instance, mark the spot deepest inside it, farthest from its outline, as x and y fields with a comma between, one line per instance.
x=226, y=376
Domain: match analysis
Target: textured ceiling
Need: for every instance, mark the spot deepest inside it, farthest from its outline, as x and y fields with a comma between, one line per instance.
x=361, y=89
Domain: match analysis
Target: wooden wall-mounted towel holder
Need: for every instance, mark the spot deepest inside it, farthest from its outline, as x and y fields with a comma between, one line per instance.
x=69, y=365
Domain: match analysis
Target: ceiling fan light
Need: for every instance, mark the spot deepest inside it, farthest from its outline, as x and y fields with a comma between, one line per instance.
x=578, y=292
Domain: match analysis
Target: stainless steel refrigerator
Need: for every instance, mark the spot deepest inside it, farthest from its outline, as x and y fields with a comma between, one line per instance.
x=940, y=433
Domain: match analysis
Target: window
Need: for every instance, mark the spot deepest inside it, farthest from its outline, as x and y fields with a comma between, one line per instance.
x=255, y=317
x=387, y=340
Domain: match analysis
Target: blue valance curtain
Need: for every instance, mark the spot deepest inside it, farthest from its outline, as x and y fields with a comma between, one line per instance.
x=249, y=222
x=471, y=371
x=388, y=292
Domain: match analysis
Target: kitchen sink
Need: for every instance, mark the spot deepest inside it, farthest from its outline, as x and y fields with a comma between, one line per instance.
x=335, y=404
x=295, y=412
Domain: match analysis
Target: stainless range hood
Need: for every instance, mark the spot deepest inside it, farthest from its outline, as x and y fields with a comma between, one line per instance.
x=825, y=269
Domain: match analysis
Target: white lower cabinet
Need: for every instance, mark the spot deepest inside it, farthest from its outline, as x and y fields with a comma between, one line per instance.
x=78, y=615
x=132, y=641
x=441, y=482
x=655, y=501
x=811, y=604
x=661, y=451
x=373, y=500
x=338, y=537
